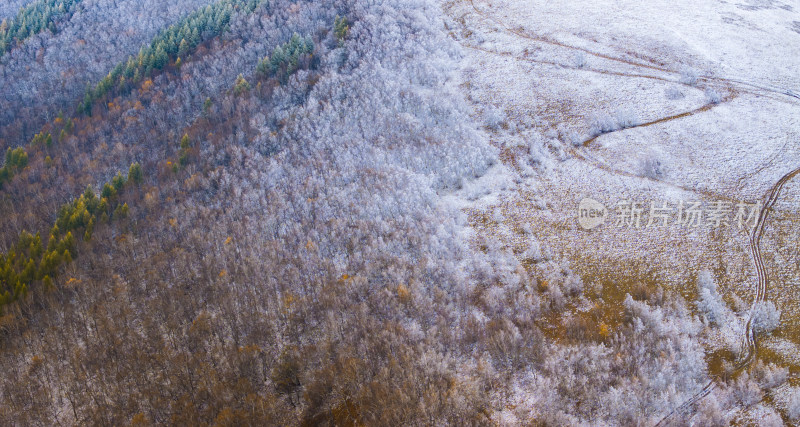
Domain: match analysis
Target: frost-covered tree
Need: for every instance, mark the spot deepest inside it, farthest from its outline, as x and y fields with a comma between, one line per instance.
x=766, y=317
x=303, y=265
x=709, y=301
x=83, y=50
x=37, y=16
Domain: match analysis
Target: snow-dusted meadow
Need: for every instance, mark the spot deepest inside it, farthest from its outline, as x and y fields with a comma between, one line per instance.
x=688, y=101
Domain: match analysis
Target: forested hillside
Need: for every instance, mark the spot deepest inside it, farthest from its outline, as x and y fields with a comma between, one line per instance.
x=73, y=53
x=246, y=212
x=9, y=9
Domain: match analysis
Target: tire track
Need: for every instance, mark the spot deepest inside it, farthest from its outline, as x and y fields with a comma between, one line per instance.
x=755, y=88
x=546, y=40
x=750, y=337
x=585, y=157
x=764, y=166
x=560, y=65
x=773, y=194
x=729, y=84
x=705, y=107
x=600, y=165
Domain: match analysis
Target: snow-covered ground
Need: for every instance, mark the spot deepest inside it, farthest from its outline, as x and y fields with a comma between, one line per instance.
x=710, y=95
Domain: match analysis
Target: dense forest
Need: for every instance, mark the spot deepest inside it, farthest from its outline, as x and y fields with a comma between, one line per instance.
x=235, y=212
x=31, y=20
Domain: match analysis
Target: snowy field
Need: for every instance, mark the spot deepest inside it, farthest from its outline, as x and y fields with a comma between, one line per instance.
x=688, y=101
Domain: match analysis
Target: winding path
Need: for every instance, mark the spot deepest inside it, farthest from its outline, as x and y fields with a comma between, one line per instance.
x=735, y=86
x=754, y=88
x=761, y=290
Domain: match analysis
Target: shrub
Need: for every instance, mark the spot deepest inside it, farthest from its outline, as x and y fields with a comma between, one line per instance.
x=713, y=97
x=673, y=93
x=494, y=118
x=534, y=251
x=652, y=166
x=793, y=404
x=689, y=76
x=766, y=317
x=602, y=123
x=627, y=119
x=537, y=152
x=570, y=136
x=709, y=302
x=579, y=60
